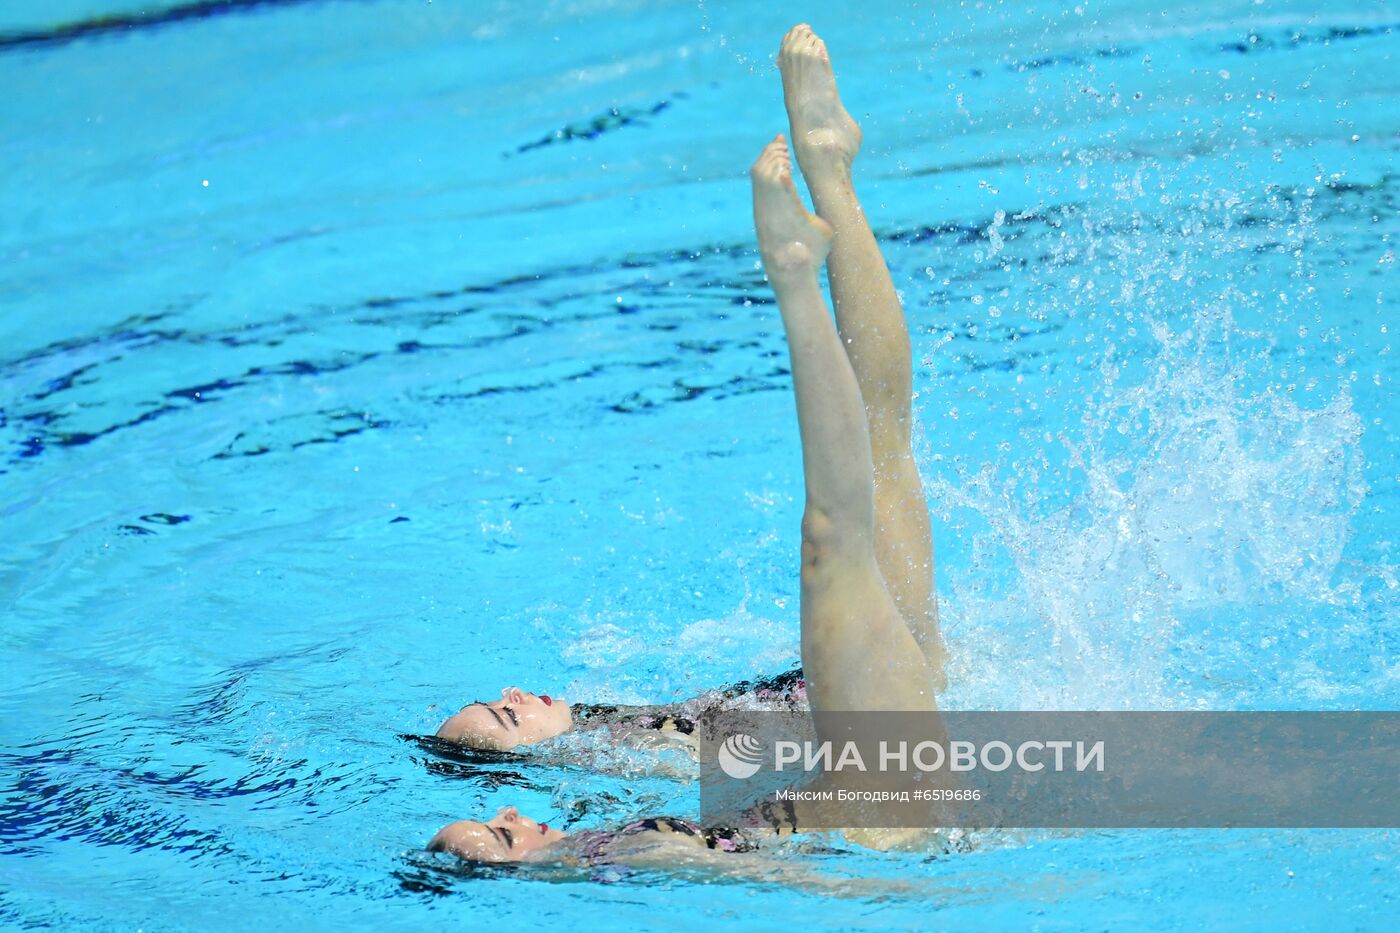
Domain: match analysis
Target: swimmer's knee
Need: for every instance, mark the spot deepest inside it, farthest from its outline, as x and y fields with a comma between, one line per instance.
x=819, y=544
x=818, y=530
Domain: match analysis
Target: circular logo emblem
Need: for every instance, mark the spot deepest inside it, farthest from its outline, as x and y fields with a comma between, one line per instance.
x=740, y=756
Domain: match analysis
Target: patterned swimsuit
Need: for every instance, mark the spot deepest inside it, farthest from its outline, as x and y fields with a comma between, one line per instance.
x=596, y=843
x=789, y=687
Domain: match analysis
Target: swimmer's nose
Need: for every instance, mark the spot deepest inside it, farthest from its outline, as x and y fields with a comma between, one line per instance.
x=509, y=813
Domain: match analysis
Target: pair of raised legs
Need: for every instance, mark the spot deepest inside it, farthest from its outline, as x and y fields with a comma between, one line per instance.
x=870, y=638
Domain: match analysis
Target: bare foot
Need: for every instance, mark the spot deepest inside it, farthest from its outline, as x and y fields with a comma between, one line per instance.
x=789, y=238
x=823, y=133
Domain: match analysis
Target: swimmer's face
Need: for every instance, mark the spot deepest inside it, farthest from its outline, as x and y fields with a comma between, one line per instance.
x=507, y=837
x=517, y=718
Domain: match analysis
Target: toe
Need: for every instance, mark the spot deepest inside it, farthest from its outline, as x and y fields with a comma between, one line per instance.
x=789, y=40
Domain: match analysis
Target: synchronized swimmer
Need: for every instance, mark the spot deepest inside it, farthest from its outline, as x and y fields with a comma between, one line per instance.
x=869, y=619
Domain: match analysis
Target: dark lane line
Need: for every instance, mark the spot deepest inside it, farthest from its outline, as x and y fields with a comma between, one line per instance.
x=123, y=22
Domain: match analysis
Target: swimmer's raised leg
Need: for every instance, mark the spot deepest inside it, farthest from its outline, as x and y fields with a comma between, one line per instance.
x=857, y=651
x=872, y=328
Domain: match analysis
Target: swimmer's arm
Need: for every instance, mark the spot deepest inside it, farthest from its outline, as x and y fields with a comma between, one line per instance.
x=690, y=862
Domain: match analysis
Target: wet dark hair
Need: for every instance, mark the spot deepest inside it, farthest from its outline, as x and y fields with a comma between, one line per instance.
x=466, y=754
x=481, y=765
x=426, y=872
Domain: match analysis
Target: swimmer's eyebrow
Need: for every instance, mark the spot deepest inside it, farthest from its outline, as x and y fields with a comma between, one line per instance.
x=492, y=711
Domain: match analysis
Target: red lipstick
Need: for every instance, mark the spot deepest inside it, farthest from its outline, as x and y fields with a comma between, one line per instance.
x=544, y=698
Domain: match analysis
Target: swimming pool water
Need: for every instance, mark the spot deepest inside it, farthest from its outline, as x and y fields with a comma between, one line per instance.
x=358, y=359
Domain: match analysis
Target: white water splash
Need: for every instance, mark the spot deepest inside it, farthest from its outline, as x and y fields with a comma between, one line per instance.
x=1192, y=495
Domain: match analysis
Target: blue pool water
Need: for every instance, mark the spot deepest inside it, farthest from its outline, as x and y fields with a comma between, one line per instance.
x=358, y=359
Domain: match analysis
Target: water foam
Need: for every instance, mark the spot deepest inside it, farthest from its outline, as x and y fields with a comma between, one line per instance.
x=1190, y=495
